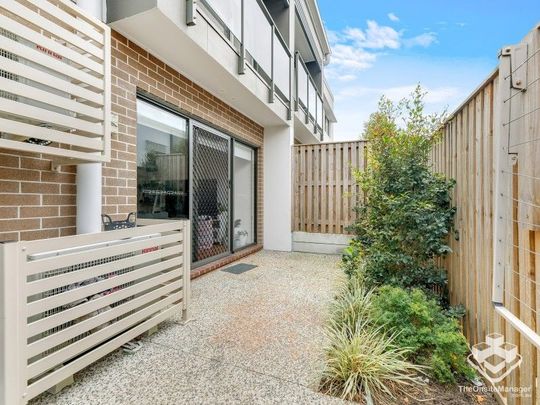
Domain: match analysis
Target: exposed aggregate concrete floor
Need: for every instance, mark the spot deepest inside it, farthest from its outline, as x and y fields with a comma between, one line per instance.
x=253, y=338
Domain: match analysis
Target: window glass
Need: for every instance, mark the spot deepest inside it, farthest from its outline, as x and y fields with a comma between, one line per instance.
x=244, y=196
x=162, y=163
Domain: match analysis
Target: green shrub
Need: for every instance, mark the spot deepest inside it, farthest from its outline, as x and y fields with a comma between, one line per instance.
x=403, y=223
x=362, y=361
x=351, y=306
x=434, y=339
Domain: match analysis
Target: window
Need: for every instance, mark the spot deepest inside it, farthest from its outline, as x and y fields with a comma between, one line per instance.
x=244, y=196
x=162, y=163
x=326, y=126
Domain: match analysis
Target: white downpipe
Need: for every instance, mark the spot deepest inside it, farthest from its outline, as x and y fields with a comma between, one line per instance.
x=89, y=174
x=89, y=198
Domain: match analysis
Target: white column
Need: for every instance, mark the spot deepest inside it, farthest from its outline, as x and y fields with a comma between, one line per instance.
x=89, y=174
x=89, y=198
x=278, y=143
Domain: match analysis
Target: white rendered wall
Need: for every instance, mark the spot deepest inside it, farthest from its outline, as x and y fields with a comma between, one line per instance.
x=322, y=243
x=89, y=174
x=278, y=143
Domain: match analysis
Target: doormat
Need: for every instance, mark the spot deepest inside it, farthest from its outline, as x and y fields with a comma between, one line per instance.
x=239, y=268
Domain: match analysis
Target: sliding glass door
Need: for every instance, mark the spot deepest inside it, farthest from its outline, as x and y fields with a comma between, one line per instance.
x=188, y=169
x=243, y=196
x=162, y=163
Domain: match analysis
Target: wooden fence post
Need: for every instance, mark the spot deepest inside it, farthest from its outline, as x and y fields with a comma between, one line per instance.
x=502, y=205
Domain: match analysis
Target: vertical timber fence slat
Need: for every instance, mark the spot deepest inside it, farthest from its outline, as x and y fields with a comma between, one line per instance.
x=325, y=190
x=491, y=147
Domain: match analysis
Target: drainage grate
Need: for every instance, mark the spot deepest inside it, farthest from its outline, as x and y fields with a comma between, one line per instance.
x=239, y=268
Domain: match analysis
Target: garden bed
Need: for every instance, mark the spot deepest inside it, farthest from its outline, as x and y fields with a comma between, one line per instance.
x=391, y=325
x=437, y=394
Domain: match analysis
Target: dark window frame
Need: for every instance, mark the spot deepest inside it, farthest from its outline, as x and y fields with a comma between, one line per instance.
x=160, y=103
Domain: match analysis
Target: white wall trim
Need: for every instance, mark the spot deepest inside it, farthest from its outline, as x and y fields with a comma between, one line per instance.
x=325, y=243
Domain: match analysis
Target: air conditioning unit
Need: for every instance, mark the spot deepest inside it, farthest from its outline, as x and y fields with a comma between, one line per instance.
x=87, y=282
x=29, y=82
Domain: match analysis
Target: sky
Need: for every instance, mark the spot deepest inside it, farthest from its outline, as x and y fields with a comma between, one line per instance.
x=389, y=46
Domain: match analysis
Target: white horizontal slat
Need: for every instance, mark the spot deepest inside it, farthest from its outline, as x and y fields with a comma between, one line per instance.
x=53, y=263
x=51, y=150
x=78, y=364
x=51, y=27
x=68, y=242
x=82, y=15
x=38, y=39
x=34, y=131
x=42, y=77
x=67, y=353
x=61, y=280
x=46, y=97
x=54, y=64
x=53, y=321
x=519, y=325
x=41, y=114
x=87, y=325
x=77, y=23
x=68, y=297
x=154, y=222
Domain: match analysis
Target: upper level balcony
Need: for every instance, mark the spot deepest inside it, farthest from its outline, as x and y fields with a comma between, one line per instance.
x=251, y=31
x=243, y=51
x=309, y=101
x=232, y=48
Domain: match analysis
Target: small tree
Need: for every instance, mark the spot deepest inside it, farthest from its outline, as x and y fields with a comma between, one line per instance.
x=402, y=225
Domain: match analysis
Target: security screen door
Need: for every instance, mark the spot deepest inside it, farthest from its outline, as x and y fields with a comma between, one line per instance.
x=211, y=193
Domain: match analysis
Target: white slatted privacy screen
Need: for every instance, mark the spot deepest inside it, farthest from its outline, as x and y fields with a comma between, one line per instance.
x=54, y=81
x=69, y=301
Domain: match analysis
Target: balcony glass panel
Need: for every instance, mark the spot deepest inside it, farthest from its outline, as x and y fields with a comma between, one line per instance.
x=302, y=84
x=281, y=67
x=319, y=111
x=258, y=35
x=230, y=12
x=312, y=99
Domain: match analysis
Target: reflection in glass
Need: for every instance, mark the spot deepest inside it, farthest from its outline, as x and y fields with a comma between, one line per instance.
x=162, y=163
x=244, y=196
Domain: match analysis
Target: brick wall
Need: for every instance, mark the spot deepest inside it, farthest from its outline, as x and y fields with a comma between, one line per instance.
x=133, y=68
x=36, y=202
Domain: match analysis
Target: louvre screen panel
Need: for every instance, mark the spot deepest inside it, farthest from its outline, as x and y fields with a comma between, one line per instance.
x=54, y=81
x=72, y=300
x=211, y=194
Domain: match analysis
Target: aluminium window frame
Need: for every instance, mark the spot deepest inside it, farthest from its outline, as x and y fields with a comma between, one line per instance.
x=160, y=103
